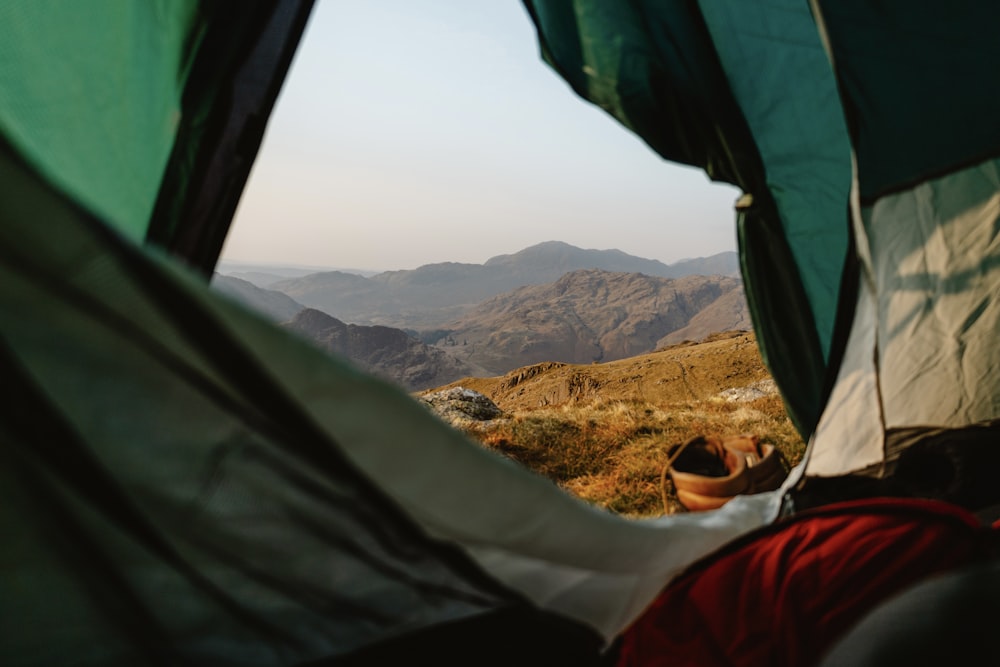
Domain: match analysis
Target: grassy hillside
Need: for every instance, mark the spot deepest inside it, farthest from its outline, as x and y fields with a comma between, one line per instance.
x=601, y=431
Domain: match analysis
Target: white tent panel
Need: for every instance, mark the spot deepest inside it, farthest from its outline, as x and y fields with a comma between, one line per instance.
x=923, y=346
x=850, y=435
x=937, y=250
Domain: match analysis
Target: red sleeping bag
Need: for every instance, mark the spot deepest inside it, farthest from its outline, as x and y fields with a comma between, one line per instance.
x=784, y=594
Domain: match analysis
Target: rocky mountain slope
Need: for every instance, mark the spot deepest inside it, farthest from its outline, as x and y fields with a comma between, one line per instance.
x=383, y=351
x=728, y=312
x=428, y=296
x=591, y=316
x=276, y=305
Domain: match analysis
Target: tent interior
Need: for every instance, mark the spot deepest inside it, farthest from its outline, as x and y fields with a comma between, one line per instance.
x=184, y=482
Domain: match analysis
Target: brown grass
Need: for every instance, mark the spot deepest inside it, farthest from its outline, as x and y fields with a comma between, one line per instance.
x=602, y=431
x=612, y=453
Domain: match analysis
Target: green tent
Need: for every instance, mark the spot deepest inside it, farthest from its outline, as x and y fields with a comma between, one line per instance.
x=186, y=483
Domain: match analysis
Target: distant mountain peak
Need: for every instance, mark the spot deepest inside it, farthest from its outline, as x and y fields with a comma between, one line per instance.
x=313, y=317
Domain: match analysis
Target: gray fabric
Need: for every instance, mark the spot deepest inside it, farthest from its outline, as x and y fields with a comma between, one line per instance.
x=950, y=619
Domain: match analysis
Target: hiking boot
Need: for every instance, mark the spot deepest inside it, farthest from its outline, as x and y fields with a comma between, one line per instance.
x=764, y=464
x=707, y=472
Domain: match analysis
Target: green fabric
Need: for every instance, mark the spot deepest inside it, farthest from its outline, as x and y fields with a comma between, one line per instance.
x=920, y=86
x=652, y=67
x=99, y=112
x=163, y=498
x=789, y=344
x=802, y=137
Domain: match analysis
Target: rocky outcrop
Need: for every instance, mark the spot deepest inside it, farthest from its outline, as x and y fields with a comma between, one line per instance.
x=462, y=408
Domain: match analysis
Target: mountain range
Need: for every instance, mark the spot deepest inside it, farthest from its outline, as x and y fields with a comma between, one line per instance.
x=425, y=297
x=552, y=302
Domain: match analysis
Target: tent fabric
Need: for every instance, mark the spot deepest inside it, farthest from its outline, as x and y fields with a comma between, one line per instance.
x=240, y=487
x=802, y=138
x=916, y=84
x=183, y=481
x=923, y=347
x=791, y=350
x=786, y=593
x=948, y=619
x=939, y=312
x=149, y=114
x=920, y=350
x=232, y=86
x=653, y=68
x=91, y=95
x=954, y=465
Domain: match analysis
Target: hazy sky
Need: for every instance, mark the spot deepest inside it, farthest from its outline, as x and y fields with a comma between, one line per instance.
x=417, y=132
